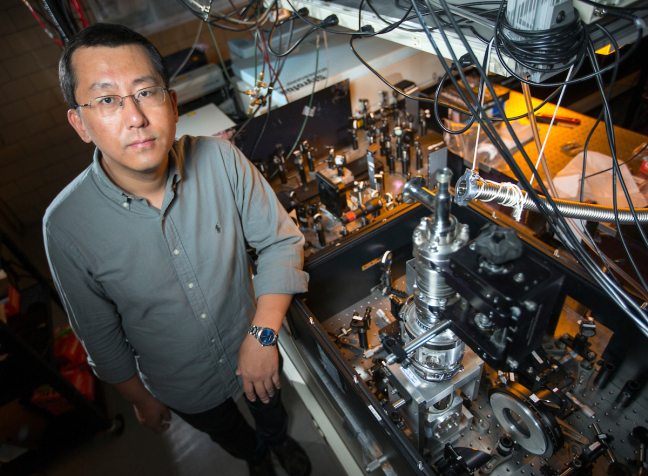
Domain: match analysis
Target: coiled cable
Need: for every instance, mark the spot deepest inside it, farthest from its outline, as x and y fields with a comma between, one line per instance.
x=490, y=191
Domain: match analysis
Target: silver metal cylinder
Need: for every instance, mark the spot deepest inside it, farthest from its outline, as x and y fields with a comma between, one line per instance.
x=439, y=358
x=432, y=249
x=434, y=239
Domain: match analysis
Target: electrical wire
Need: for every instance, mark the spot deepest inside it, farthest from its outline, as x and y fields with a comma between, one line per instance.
x=483, y=96
x=79, y=10
x=328, y=69
x=337, y=32
x=206, y=16
x=616, y=171
x=40, y=22
x=436, y=101
x=551, y=123
x=279, y=67
x=510, y=71
x=558, y=222
x=65, y=30
x=291, y=48
x=191, y=50
x=540, y=51
x=310, y=102
x=637, y=154
x=581, y=230
x=615, y=8
x=223, y=62
x=569, y=47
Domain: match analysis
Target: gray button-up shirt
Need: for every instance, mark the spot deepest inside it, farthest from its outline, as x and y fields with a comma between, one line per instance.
x=169, y=292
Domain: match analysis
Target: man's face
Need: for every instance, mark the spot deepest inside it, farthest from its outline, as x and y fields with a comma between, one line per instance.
x=136, y=140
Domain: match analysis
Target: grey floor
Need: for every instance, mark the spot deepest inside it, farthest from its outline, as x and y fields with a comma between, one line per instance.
x=182, y=450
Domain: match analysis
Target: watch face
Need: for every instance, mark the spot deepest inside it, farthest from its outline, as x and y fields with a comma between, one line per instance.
x=266, y=336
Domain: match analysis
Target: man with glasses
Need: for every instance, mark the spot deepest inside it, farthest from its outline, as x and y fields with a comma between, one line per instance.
x=148, y=250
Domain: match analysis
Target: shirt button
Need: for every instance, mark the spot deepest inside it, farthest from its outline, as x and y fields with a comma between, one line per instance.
x=220, y=361
x=213, y=340
x=176, y=252
x=125, y=204
x=203, y=316
x=190, y=285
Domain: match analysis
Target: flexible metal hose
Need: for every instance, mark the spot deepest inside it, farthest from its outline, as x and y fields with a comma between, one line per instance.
x=476, y=189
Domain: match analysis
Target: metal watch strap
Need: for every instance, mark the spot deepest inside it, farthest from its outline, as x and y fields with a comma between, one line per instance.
x=255, y=331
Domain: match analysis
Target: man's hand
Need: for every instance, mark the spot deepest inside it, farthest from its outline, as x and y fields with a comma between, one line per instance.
x=152, y=414
x=149, y=411
x=259, y=367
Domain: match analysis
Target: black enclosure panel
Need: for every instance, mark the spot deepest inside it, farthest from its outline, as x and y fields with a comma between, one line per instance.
x=327, y=125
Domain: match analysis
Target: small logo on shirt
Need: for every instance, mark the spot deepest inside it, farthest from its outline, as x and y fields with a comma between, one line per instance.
x=218, y=229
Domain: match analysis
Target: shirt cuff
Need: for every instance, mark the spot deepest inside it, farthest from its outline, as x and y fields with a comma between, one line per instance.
x=119, y=372
x=282, y=281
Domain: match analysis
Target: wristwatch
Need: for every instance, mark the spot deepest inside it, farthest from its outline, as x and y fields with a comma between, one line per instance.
x=264, y=335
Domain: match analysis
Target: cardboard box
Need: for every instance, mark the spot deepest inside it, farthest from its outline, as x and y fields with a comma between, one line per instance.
x=49, y=399
x=68, y=351
x=82, y=380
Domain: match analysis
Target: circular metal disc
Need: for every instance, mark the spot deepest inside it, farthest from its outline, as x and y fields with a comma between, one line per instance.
x=522, y=424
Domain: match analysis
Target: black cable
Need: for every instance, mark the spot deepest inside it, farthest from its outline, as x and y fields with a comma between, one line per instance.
x=267, y=118
x=36, y=8
x=612, y=142
x=431, y=101
x=277, y=23
x=292, y=48
x=387, y=22
x=279, y=69
x=618, y=295
x=214, y=22
x=611, y=8
x=436, y=103
x=65, y=8
x=622, y=163
x=616, y=170
x=426, y=100
x=585, y=148
x=52, y=10
x=571, y=81
x=335, y=32
x=610, y=129
x=540, y=51
x=265, y=123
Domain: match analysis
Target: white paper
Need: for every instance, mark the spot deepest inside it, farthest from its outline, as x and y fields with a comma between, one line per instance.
x=599, y=187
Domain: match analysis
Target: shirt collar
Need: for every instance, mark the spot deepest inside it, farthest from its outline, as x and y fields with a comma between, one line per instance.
x=116, y=194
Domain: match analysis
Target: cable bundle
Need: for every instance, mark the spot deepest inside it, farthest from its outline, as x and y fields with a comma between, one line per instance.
x=63, y=20
x=555, y=50
x=560, y=49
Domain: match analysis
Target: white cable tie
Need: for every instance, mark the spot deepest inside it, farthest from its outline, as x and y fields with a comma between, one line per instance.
x=490, y=44
x=552, y=122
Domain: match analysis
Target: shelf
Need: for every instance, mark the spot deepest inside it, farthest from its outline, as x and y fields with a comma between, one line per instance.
x=623, y=31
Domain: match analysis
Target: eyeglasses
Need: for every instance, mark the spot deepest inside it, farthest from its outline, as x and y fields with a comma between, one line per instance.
x=109, y=105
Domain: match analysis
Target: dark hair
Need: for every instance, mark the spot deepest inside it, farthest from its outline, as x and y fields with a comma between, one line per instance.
x=112, y=36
